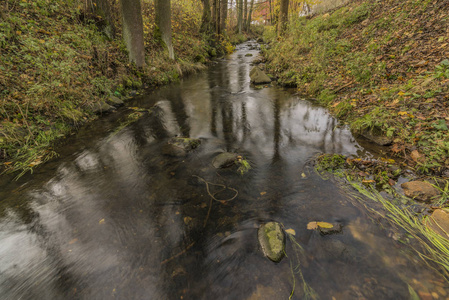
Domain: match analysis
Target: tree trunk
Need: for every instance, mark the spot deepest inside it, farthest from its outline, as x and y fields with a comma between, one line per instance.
x=224, y=15
x=271, y=13
x=218, y=16
x=206, y=18
x=239, y=15
x=163, y=22
x=245, y=13
x=133, y=31
x=283, y=17
x=248, y=24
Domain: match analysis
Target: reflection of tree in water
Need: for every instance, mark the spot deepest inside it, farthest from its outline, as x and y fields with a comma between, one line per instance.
x=174, y=95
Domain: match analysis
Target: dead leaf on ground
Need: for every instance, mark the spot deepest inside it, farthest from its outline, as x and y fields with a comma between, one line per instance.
x=315, y=225
x=290, y=231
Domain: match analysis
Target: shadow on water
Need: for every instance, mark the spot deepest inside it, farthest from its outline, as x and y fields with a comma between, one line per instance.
x=114, y=218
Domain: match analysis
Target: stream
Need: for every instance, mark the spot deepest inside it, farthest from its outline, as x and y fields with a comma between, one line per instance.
x=115, y=218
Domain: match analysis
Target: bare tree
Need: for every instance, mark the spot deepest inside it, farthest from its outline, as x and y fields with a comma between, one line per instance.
x=245, y=13
x=163, y=22
x=239, y=15
x=133, y=31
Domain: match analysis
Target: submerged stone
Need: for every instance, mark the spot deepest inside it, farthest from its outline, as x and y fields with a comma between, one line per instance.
x=258, y=76
x=420, y=190
x=225, y=160
x=272, y=240
x=179, y=146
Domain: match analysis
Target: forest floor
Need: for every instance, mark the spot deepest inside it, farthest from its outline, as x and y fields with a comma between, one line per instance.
x=58, y=64
x=382, y=67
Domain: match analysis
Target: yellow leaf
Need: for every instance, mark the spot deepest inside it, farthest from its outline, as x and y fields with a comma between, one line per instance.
x=324, y=225
x=312, y=226
x=41, y=41
x=262, y=193
x=401, y=94
x=291, y=231
x=368, y=181
x=101, y=221
x=402, y=113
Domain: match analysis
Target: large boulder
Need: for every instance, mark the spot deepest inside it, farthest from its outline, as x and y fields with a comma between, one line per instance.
x=420, y=190
x=258, y=76
x=272, y=240
x=439, y=222
x=225, y=160
x=179, y=146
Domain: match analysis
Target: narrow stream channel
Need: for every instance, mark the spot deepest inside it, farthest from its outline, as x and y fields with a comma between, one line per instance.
x=113, y=218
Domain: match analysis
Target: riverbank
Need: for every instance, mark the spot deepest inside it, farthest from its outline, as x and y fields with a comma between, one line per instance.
x=382, y=68
x=61, y=66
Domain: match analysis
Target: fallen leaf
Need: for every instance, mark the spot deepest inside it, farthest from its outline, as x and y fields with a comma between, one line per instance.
x=368, y=181
x=290, y=231
x=303, y=175
x=312, y=226
x=262, y=193
x=324, y=225
x=73, y=241
x=101, y=221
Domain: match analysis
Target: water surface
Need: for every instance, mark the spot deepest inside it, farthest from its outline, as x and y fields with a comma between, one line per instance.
x=113, y=218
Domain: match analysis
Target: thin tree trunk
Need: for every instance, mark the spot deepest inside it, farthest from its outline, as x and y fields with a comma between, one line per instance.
x=133, y=31
x=283, y=17
x=103, y=8
x=271, y=13
x=245, y=13
x=218, y=16
x=239, y=16
x=163, y=22
x=224, y=15
x=248, y=24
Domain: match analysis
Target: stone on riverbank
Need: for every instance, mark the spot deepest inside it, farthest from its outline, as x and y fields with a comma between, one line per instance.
x=272, y=240
x=114, y=101
x=439, y=222
x=179, y=146
x=225, y=160
x=258, y=76
x=420, y=190
x=101, y=107
x=378, y=139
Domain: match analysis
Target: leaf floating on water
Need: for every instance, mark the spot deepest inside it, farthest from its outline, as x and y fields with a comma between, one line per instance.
x=312, y=226
x=101, y=221
x=290, y=231
x=303, y=175
x=316, y=225
x=324, y=225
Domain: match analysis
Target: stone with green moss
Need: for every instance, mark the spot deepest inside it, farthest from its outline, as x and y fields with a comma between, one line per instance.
x=272, y=240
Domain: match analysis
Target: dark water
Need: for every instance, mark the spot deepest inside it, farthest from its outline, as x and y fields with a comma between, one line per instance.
x=113, y=218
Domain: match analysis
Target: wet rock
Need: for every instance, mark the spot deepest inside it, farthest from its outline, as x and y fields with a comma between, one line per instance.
x=258, y=76
x=179, y=146
x=101, y=107
x=378, y=139
x=420, y=190
x=439, y=222
x=248, y=54
x=114, y=101
x=225, y=160
x=272, y=240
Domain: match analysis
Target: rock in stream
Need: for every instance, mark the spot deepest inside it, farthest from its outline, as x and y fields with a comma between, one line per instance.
x=179, y=146
x=272, y=240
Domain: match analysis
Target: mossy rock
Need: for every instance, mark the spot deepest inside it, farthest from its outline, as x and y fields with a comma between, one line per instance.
x=272, y=240
x=224, y=160
x=101, y=107
x=179, y=146
x=258, y=76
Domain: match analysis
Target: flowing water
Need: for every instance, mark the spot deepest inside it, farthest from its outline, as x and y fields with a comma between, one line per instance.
x=113, y=218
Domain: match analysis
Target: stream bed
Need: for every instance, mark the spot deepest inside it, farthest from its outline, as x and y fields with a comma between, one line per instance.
x=115, y=218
